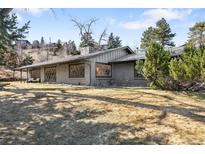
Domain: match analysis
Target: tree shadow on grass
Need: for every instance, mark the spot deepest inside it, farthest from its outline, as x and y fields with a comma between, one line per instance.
x=148, y=140
x=190, y=113
x=22, y=121
x=68, y=129
x=169, y=98
x=199, y=95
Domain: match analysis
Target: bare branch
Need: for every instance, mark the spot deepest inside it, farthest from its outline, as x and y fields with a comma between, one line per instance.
x=79, y=25
x=92, y=21
x=102, y=36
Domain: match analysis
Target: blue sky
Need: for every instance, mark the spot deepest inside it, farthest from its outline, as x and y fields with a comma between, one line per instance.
x=128, y=23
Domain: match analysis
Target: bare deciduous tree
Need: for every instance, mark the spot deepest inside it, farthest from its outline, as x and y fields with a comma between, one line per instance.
x=85, y=32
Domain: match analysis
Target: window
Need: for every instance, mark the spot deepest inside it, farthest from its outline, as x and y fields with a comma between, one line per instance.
x=35, y=73
x=50, y=74
x=137, y=75
x=77, y=71
x=103, y=70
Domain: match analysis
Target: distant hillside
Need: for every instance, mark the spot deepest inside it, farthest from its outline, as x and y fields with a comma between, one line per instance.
x=40, y=55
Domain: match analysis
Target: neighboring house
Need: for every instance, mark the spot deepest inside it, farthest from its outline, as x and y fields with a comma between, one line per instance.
x=22, y=44
x=101, y=68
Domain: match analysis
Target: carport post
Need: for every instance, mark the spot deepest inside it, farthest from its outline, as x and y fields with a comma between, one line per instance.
x=21, y=74
x=13, y=74
x=27, y=74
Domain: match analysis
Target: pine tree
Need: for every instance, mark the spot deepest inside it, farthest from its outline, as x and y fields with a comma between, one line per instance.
x=155, y=67
x=28, y=60
x=197, y=34
x=114, y=41
x=189, y=69
x=148, y=37
x=59, y=44
x=111, y=39
x=118, y=42
x=160, y=34
x=176, y=72
x=163, y=32
x=10, y=33
x=42, y=42
x=72, y=48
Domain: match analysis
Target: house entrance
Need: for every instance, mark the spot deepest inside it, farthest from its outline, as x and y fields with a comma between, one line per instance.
x=50, y=74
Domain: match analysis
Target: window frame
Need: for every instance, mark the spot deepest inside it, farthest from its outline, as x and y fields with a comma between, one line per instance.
x=69, y=74
x=104, y=77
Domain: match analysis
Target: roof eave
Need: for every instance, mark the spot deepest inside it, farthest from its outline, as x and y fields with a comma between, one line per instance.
x=31, y=66
x=78, y=59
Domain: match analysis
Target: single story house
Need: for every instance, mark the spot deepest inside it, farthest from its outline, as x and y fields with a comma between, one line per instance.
x=101, y=68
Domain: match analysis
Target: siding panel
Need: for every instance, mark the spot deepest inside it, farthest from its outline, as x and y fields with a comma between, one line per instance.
x=123, y=74
x=105, y=58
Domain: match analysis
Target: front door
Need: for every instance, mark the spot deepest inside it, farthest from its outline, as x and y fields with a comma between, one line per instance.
x=50, y=74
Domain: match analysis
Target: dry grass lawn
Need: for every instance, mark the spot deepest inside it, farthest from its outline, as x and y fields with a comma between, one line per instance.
x=63, y=114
